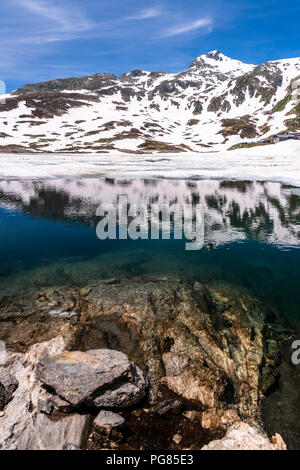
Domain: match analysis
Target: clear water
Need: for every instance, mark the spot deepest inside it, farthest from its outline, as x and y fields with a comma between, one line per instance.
x=252, y=236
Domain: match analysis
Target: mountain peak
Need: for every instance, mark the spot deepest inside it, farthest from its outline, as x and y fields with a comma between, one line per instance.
x=216, y=55
x=220, y=61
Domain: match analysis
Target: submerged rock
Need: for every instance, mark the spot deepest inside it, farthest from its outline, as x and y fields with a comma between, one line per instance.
x=212, y=348
x=205, y=344
x=101, y=378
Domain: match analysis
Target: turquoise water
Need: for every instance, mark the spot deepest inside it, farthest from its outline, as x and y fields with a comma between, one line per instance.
x=252, y=236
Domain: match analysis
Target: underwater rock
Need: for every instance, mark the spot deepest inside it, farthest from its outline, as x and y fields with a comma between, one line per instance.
x=211, y=347
x=204, y=343
x=102, y=378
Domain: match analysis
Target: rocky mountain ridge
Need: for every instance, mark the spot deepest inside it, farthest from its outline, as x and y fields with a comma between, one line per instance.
x=214, y=104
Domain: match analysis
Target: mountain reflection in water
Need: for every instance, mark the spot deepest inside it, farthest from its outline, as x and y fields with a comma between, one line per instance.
x=252, y=235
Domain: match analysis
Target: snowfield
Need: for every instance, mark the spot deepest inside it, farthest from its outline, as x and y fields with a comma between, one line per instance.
x=280, y=163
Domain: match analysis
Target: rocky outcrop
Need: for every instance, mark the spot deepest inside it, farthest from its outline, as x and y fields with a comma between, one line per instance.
x=29, y=422
x=210, y=352
x=251, y=83
x=205, y=345
x=90, y=82
x=23, y=426
x=244, y=127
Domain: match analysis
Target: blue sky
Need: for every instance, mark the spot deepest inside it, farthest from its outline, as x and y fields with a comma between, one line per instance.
x=46, y=39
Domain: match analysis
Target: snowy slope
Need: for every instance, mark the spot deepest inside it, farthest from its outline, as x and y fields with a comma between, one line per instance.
x=216, y=103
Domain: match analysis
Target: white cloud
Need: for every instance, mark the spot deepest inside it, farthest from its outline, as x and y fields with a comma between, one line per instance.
x=64, y=18
x=187, y=27
x=37, y=30
x=62, y=21
x=144, y=14
x=149, y=13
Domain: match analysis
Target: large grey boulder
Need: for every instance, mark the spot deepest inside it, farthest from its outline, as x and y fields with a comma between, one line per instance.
x=102, y=378
x=23, y=426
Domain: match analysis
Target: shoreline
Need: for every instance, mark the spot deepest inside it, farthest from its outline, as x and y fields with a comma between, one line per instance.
x=246, y=165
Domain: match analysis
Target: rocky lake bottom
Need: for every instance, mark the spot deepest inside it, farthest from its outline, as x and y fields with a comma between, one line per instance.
x=206, y=335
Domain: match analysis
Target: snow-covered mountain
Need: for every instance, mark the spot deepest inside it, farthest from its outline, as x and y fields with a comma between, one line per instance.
x=216, y=103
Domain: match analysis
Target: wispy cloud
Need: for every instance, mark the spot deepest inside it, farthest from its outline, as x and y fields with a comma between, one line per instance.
x=203, y=23
x=145, y=14
x=64, y=17
x=65, y=22
x=38, y=34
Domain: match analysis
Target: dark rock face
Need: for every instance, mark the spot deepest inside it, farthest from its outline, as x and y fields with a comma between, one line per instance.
x=216, y=55
x=244, y=127
x=91, y=83
x=219, y=104
x=47, y=105
x=100, y=378
x=8, y=386
x=251, y=83
x=198, y=108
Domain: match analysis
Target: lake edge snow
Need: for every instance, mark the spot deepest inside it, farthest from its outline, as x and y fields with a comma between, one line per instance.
x=278, y=163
